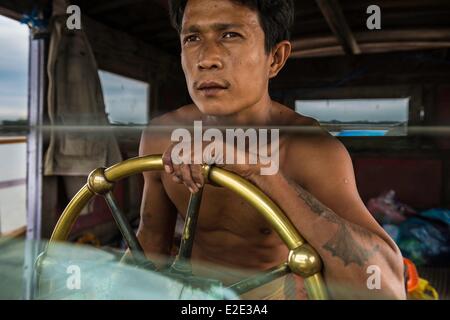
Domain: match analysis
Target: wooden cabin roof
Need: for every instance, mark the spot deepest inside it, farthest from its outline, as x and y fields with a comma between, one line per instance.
x=322, y=28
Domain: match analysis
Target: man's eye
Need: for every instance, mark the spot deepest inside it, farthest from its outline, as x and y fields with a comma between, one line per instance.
x=231, y=35
x=191, y=39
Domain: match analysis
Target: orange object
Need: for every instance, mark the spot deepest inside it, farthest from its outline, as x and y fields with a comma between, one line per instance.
x=416, y=287
x=89, y=238
x=413, y=276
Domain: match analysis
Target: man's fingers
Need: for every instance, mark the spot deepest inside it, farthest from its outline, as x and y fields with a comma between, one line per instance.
x=197, y=176
x=176, y=179
x=167, y=160
x=189, y=175
x=187, y=178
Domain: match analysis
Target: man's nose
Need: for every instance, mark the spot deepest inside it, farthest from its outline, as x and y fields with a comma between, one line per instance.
x=210, y=57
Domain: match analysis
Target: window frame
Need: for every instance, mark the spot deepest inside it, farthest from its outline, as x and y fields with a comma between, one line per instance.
x=336, y=128
x=370, y=143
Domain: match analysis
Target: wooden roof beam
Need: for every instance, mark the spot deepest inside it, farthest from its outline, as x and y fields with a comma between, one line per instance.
x=10, y=13
x=335, y=18
x=374, y=42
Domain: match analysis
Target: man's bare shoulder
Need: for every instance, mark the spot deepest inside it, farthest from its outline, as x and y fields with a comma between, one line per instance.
x=285, y=116
x=156, y=137
x=315, y=154
x=184, y=115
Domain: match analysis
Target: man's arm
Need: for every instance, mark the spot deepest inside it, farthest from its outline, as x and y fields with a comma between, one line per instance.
x=158, y=214
x=334, y=220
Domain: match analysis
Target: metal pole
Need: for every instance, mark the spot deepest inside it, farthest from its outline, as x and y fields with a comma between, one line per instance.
x=181, y=263
x=36, y=93
x=128, y=233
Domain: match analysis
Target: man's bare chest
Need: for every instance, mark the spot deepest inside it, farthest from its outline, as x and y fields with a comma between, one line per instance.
x=223, y=211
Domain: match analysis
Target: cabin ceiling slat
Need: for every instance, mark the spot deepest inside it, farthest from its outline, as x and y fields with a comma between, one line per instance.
x=337, y=22
x=381, y=68
x=372, y=42
x=15, y=8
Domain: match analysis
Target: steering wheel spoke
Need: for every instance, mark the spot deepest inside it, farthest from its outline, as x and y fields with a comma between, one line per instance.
x=99, y=184
x=127, y=232
x=123, y=224
x=259, y=280
x=182, y=263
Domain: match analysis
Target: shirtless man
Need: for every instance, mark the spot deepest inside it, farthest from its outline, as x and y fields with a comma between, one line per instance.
x=230, y=50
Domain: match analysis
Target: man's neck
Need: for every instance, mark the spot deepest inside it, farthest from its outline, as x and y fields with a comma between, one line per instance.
x=257, y=114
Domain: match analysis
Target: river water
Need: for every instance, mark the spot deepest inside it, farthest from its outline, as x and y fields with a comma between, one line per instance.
x=12, y=199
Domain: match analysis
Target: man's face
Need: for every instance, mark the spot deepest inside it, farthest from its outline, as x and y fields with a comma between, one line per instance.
x=223, y=56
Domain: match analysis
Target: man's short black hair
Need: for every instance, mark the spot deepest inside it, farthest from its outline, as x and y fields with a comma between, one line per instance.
x=276, y=17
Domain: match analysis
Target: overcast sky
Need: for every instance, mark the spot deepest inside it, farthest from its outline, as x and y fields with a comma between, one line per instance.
x=125, y=99
x=13, y=69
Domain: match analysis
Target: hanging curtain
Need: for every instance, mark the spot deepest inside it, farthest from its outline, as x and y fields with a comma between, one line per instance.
x=79, y=139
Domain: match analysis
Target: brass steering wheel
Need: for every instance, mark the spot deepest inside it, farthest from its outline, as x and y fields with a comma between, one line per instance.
x=303, y=260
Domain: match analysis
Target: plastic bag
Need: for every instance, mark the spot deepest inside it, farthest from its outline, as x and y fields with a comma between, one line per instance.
x=425, y=240
x=422, y=237
x=387, y=210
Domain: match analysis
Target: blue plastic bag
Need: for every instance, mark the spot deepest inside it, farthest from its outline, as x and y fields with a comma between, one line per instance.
x=425, y=239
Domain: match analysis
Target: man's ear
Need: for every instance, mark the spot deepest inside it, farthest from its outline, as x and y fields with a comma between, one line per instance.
x=280, y=53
